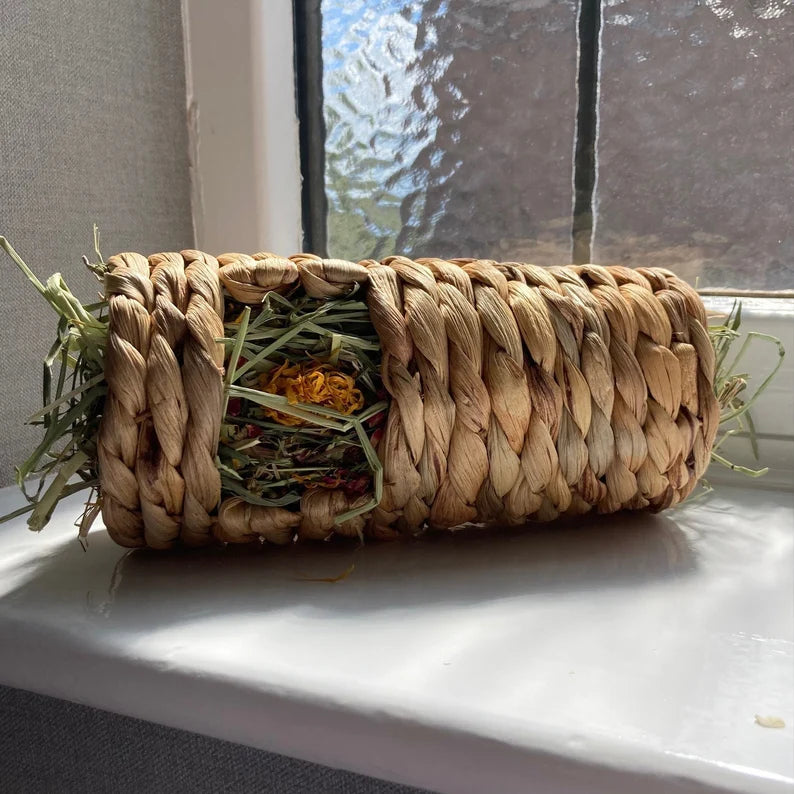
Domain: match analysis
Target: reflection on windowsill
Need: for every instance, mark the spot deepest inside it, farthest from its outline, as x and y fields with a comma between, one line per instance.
x=141, y=589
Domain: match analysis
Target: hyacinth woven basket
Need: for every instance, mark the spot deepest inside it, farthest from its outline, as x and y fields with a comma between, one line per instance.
x=513, y=392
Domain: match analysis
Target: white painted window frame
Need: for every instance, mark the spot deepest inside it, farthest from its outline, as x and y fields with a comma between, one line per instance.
x=246, y=179
x=244, y=148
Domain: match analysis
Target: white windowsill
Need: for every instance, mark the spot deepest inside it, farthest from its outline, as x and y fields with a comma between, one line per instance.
x=608, y=658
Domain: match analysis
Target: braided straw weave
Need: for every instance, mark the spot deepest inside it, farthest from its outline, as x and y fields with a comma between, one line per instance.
x=517, y=392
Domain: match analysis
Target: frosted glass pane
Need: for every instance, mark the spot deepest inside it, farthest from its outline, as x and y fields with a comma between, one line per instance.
x=449, y=127
x=696, y=126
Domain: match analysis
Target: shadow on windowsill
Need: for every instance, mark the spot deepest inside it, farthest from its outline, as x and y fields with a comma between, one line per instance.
x=145, y=589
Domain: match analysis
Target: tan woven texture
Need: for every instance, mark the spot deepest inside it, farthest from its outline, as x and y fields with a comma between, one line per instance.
x=159, y=432
x=517, y=392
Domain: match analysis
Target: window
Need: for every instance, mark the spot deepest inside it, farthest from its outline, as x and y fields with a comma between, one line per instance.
x=552, y=131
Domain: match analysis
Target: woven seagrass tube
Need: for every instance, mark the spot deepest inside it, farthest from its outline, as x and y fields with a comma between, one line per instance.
x=515, y=393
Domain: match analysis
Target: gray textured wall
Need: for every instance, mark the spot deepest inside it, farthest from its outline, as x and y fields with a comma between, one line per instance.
x=92, y=129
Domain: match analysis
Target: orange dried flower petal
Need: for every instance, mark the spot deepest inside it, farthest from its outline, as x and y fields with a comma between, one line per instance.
x=311, y=384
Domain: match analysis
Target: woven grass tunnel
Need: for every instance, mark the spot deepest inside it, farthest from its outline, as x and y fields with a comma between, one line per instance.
x=514, y=392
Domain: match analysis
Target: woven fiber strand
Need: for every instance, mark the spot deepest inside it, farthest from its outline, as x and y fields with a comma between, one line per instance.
x=517, y=392
x=160, y=429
